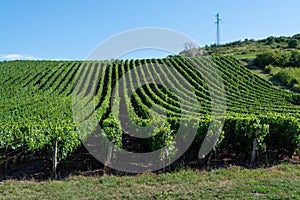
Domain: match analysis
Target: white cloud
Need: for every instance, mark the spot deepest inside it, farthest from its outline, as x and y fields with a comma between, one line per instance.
x=16, y=56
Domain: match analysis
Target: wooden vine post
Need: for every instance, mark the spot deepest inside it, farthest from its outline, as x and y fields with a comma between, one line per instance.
x=164, y=145
x=254, y=148
x=109, y=155
x=54, y=166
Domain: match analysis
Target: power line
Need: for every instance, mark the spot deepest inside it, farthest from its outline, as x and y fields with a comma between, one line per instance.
x=218, y=39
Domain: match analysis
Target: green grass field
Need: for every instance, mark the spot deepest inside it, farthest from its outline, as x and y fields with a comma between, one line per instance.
x=278, y=182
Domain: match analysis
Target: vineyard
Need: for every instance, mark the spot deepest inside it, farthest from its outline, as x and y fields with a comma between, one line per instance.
x=38, y=98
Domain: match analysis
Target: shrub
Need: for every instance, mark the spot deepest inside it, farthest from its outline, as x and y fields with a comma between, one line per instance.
x=276, y=58
x=286, y=78
x=293, y=43
x=295, y=59
x=297, y=36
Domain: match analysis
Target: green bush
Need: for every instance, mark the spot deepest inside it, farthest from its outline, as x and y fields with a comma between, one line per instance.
x=278, y=58
x=285, y=77
x=271, y=57
x=295, y=59
x=293, y=43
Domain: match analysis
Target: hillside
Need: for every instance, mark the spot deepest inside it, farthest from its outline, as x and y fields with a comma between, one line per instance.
x=250, y=48
x=38, y=100
x=275, y=59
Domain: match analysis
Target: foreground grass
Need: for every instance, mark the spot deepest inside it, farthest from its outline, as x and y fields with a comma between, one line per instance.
x=278, y=182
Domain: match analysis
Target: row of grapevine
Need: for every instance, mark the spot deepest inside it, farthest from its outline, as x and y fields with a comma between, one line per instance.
x=37, y=100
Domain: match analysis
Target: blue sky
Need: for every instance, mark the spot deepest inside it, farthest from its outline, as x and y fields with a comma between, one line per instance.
x=70, y=29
